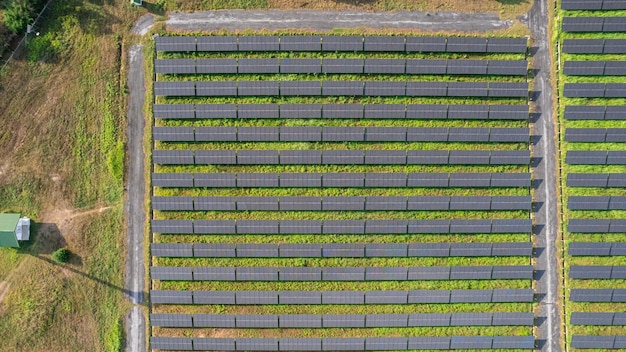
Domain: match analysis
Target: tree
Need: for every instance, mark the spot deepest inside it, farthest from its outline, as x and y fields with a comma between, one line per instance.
x=18, y=15
x=61, y=255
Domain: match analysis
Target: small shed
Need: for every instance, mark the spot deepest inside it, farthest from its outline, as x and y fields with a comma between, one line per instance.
x=13, y=228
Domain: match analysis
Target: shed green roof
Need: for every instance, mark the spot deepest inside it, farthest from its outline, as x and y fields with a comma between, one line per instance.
x=8, y=222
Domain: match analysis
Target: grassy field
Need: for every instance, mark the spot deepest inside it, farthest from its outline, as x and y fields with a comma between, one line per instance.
x=584, y=191
x=62, y=165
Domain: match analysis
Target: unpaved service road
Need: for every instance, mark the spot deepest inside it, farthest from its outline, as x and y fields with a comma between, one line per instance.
x=327, y=20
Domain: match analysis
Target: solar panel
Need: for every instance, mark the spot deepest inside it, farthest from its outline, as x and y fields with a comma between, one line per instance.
x=384, y=66
x=174, y=44
x=427, y=179
x=269, y=111
x=581, y=5
x=618, y=248
x=175, y=66
x=339, y=134
x=590, y=272
x=171, y=343
x=217, y=43
x=173, y=111
x=343, y=250
x=470, y=226
x=471, y=319
x=469, y=89
x=428, y=203
x=172, y=180
x=508, y=89
x=216, y=89
x=342, y=43
x=429, y=226
x=383, y=43
x=170, y=273
x=258, y=43
x=519, y=342
x=583, y=46
x=300, y=43
x=214, y=297
x=214, y=226
x=204, y=66
x=384, y=88
x=616, y=135
x=509, y=135
x=425, y=67
x=257, y=226
x=429, y=250
x=172, y=203
x=171, y=249
x=583, y=90
x=257, y=65
x=429, y=273
x=616, y=157
x=585, y=134
x=386, y=297
x=300, y=274
x=467, y=67
x=508, y=157
x=469, y=179
x=213, y=344
x=386, y=226
x=583, y=112
x=171, y=320
x=310, y=66
x=470, y=296
x=172, y=226
x=507, y=67
x=257, y=250
x=512, y=272
x=216, y=134
x=257, y=88
x=583, y=24
x=171, y=297
x=257, y=179
x=432, y=319
x=425, y=89
x=343, y=274
x=469, y=157
x=381, y=179
x=583, y=68
x=256, y=321
x=300, y=344
x=613, y=24
x=506, y=45
x=470, y=249
x=386, y=320
x=385, y=203
x=468, y=112
x=343, y=157
x=427, y=134
x=588, y=203
x=470, y=272
x=341, y=88
x=382, y=157
x=619, y=318
x=581, y=318
x=213, y=274
x=429, y=343
x=386, y=274
x=300, y=297
x=179, y=89
x=615, y=68
x=342, y=66
x=429, y=296
x=257, y=273
x=219, y=250
x=256, y=344
x=425, y=44
x=614, y=46
x=300, y=321
x=211, y=111
x=426, y=111
x=290, y=157
x=466, y=45
x=300, y=88
x=300, y=227
x=386, y=343
x=470, y=342
x=343, y=297
x=508, y=112
x=384, y=111
x=300, y=203
x=343, y=180
x=255, y=157
x=463, y=134
x=581, y=341
x=214, y=321
x=588, y=225
x=427, y=157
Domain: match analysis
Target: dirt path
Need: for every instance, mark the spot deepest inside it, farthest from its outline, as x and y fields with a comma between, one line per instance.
x=327, y=20
x=134, y=283
x=546, y=218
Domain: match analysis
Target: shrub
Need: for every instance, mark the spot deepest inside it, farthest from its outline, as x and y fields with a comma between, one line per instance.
x=61, y=255
x=18, y=15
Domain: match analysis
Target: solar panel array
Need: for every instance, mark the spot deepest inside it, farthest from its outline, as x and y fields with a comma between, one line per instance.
x=596, y=180
x=594, y=46
x=595, y=90
x=343, y=180
x=593, y=5
x=343, y=344
x=351, y=250
x=595, y=68
x=596, y=203
x=301, y=164
x=351, y=134
x=594, y=24
x=342, y=157
x=230, y=227
x=243, y=297
x=347, y=88
x=342, y=111
x=587, y=112
x=360, y=66
x=595, y=157
x=346, y=43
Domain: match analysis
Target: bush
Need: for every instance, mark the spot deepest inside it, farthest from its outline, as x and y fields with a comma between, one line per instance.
x=61, y=255
x=18, y=15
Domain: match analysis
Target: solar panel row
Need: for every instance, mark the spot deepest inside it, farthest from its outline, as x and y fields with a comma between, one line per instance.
x=593, y=5
x=242, y=297
x=594, y=46
x=342, y=134
x=343, y=157
x=356, y=203
x=595, y=90
x=595, y=68
x=598, y=295
x=596, y=157
x=342, y=111
x=341, y=226
x=596, y=225
x=598, y=272
x=341, y=43
x=342, y=344
x=333, y=250
x=594, y=24
x=175, y=273
x=325, y=180
x=592, y=112
x=598, y=342
x=596, y=203
x=597, y=249
x=341, y=320
x=352, y=66
x=595, y=318
x=594, y=135
x=349, y=88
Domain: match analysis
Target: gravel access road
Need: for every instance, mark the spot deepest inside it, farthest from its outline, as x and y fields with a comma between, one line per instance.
x=546, y=217
x=327, y=20
x=135, y=214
